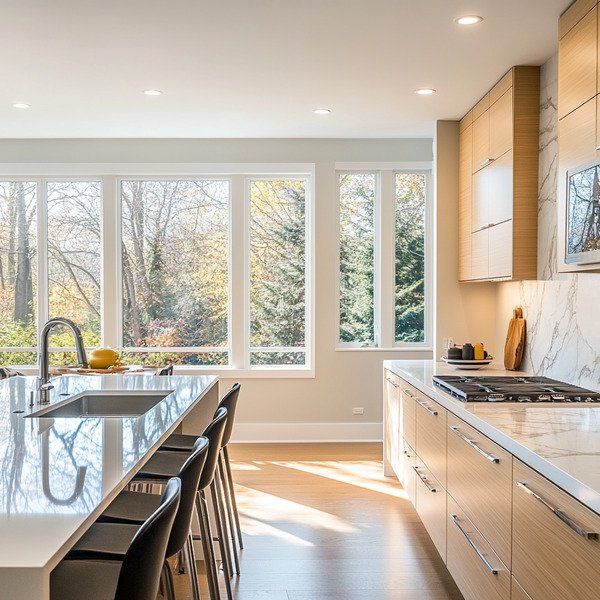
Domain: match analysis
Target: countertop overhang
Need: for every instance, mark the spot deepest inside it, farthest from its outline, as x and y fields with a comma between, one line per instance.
x=559, y=441
x=58, y=474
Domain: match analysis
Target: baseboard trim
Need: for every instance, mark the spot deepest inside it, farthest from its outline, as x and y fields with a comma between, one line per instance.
x=307, y=432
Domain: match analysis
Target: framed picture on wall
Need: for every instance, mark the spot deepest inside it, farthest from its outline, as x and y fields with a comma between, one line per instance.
x=582, y=239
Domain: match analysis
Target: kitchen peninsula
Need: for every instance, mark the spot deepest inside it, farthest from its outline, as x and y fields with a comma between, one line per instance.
x=59, y=474
x=508, y=492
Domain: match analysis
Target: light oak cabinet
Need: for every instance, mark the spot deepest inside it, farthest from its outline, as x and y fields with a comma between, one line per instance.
x=556, y=545
x=409, y=475
x=393, y=422
x=499, y=140
x=431, y=436
x=517, y=592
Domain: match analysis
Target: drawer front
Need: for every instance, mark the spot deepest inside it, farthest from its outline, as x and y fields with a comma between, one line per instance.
x=475, y=567
x=392, y=432
x=479, y=478
x=409, y=476
x=555, y=556
x=517, y=592
x=409, y=408
x=431, y=506
x=431, y=436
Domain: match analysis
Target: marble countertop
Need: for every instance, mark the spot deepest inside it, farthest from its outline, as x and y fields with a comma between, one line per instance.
x=58, y=474
x=560, y=441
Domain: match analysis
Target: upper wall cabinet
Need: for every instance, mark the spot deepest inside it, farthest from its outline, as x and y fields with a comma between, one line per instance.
x=498, y=181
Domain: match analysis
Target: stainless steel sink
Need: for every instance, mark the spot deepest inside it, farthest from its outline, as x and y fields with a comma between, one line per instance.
x=117, y=403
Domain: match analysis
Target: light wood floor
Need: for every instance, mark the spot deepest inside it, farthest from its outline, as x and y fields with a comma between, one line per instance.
x=321, y=522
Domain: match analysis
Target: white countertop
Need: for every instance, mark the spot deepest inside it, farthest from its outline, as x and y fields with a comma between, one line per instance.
x=57, y=475
x=560, y=441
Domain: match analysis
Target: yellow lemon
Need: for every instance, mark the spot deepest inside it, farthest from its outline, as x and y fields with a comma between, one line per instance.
x=102, y=358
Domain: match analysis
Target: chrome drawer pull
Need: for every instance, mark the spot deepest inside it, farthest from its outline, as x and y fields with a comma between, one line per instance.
x=407, y=392
x=487, y=162
x=474, y=445
x=427, y=407
x=479, y=553
x=424, y=479
x=587, y=535
x=392, y=382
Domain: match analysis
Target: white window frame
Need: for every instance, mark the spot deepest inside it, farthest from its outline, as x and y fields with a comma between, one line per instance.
x=384, y=257
x=111, y=175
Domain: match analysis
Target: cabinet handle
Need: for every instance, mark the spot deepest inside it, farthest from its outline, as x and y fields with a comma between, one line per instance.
x=427, y=407
x=487, y=162
x=424, y=479
x=392, y=382
x=474, y=445
x=580, y=531
x=479, y=553
x=408, y=393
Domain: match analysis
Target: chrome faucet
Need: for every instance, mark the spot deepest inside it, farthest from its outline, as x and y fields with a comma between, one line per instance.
x=44, y=385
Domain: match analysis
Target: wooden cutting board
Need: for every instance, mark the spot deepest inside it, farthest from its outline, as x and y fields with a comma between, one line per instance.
x=515, y=341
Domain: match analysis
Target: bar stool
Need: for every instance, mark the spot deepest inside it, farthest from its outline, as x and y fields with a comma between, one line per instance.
x=110, y=536
x=136, y=576
x=184, y=443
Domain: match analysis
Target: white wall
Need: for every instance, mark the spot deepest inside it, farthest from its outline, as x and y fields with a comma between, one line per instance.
x=319, y=408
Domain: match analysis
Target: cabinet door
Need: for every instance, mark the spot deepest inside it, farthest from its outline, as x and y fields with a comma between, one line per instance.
x=577, y=64
x=481, y=141
x=480, y=480
x=465, y=183
x=476, y=568
x=555, y=556
x=500, y=189
x=409, y=476
x=431, y=506
x=431, y=436
x=479, y=254
x=500, y=250
x=480, y=216
x=501, y=125
x=409, y=408
x=392, y=432
x=517, y=592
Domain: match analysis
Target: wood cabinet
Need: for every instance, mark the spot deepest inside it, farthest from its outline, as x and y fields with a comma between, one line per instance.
x=409, y=475
x=431, y=436
x=501, y=146
x=517, y=592
x=480, y=480
x=409, y=411
x=555, y=540
x=392, y=414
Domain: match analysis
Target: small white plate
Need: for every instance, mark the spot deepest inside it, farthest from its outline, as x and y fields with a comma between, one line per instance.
x=468, y=365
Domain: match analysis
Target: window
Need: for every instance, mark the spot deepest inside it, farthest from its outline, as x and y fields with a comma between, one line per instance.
x=199, y=271
x=383, y=259
x=277, y=272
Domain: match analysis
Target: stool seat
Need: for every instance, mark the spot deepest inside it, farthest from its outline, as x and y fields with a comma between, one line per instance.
x=105, y=541
x=92, y=580
x=178, y=442
x=130, y=507
x=162, y=465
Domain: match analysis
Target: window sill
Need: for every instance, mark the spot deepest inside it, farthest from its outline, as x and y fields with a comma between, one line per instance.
x=377, y=349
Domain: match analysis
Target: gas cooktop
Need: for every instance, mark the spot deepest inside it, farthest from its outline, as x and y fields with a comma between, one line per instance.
x=513, y=389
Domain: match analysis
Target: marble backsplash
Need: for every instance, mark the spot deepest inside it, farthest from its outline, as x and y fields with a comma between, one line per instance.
x=562, y=310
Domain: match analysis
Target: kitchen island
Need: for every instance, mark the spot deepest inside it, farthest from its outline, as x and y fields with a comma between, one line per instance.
x=59, y=474
x=509, y=492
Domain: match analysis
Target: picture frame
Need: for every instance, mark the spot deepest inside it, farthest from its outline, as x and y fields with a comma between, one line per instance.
x=582, y=215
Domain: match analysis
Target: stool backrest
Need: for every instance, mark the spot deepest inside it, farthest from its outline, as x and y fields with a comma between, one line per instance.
x=140, y=572
x=190, y=478
x=214, y=432
x=229, y=402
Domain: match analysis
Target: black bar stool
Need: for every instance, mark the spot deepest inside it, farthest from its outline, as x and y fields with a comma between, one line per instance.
x=184, y=443
x=135, y=576
x=110, y=536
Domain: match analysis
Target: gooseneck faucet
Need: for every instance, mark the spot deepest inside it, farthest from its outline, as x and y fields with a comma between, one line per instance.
x=44, y=385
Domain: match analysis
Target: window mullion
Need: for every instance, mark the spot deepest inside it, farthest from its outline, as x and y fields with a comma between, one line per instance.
x=42, y=254
x=111, y=297
x=385, y=266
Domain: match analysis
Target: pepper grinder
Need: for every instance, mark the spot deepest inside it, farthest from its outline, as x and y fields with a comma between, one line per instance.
x=468, y=352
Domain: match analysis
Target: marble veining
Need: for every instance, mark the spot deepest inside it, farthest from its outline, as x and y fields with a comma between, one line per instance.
x=560, y=441
x=563, y=320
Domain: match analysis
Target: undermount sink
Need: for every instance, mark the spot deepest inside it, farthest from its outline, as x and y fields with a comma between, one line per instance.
x=118, y=403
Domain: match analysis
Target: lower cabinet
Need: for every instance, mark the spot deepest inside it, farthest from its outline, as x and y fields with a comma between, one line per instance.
x=517, y=592
x=476, y=568
x=556, y=540
x=409, y=475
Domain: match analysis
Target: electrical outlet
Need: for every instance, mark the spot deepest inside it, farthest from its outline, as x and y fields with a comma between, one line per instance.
x=358, y=411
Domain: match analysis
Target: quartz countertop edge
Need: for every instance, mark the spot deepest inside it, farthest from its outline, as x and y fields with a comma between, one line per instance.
x=419, y=374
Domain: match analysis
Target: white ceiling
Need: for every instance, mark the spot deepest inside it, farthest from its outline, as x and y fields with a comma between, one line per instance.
x=257, y=68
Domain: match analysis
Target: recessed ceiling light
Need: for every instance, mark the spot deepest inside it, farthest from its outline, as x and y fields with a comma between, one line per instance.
x=425, y=91
x=322, y=111
x=468, y=20
x=21, y=105
x=152, y=92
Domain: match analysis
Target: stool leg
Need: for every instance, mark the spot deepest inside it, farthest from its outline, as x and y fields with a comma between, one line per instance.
x=233, y=501
x=207, y=549
x=167, y=579
x=222, y=536
x=188, y=549
x=228, y=509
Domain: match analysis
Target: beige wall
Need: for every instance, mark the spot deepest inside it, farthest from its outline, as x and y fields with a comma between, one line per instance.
x=279, y=408
x=464, y=311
